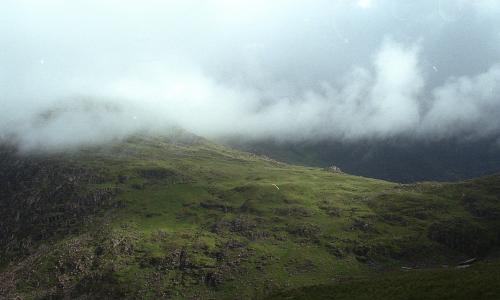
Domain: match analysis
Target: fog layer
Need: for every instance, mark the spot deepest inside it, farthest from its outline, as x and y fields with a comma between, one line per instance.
x=86, y=72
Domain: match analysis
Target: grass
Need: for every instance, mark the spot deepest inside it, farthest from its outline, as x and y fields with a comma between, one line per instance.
x=477, y=282
x=198, y=220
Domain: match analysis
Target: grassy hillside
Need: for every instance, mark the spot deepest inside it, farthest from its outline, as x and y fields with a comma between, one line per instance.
x=476, y=282
x=181, y=217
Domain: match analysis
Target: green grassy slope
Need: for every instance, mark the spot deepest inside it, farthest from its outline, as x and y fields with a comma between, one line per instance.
x=186, y=218
x=476, y=282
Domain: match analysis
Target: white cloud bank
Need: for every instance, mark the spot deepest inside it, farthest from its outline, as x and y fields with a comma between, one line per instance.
x=73, y=74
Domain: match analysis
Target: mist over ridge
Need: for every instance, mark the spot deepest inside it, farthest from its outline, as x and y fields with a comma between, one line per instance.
x=87, y=72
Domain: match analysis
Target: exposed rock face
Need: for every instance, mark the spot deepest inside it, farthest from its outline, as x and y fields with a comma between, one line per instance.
x=40, y=198
x=333, y=169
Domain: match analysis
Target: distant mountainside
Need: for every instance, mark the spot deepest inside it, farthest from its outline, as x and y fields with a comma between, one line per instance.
x=400, y=159
x=180, y=217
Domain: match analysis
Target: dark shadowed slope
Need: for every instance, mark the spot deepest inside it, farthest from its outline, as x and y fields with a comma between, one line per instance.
x=398, y=159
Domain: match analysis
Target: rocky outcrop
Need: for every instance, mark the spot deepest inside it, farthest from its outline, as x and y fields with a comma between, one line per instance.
x=42, y=197
x=333, y=169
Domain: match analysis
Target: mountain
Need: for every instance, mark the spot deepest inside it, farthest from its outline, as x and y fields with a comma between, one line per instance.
x=160, y=217
x=399, y=159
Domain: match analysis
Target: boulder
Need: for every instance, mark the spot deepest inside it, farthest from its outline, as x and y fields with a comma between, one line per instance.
x=333, y=169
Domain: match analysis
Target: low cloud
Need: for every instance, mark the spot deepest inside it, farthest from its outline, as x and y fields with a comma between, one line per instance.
x=91, y=72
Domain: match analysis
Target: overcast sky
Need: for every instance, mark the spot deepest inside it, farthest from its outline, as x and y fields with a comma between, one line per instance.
x=87, y=71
